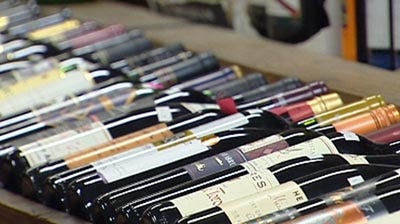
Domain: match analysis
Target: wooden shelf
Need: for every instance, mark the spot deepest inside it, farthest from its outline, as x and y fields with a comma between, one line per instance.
x=276, y=60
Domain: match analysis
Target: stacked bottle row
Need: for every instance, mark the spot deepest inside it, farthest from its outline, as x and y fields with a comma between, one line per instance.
x=98, y=123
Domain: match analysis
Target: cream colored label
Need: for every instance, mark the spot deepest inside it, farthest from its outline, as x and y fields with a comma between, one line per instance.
x=63, y=144
x=354, y=159
x=53, y=30
x=316, y=146
x=260, y=143
x=164, y=114
x=118, y=145
x=257, y=180
x=4, y=21
x=262, y=203
x=40, y=90
x=223, y=124
x=386, y=219
x=196, y=107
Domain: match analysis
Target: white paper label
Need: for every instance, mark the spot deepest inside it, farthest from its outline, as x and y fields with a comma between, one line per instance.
x=316, y=146
x=45, y=94
x=386, y=219
x=196, y=107
x=354, y=159
x=256, y=181
x=223, y=124
x=65, y=143
x=125, y=165
x=355, y=180
x=262, y=203
x=260, y=143
x=350, y=136
x=164, y=114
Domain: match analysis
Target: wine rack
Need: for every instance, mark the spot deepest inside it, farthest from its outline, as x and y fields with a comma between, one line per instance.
x=276, y=60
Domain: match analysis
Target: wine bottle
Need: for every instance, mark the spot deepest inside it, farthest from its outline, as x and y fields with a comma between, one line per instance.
x=269, y=90
x=272, y=156
x=366, y=122
x=363, y=189
x=21, y=29
x=148, y=57
x=254, y=177
x=99, y=131
x=357, y=210
x=104, y=206
x=76, y=107
x=8, y=4
x=87, y=50
x=32, y=53
x=48, y=87
x=14, y=45
x=93, y=37
x=169, y=76
x=385, y=135
x=72, y=199
x=53, y=30
x=18, y=14
x=59, y=84
x=104, y=168
x=306, y=92
x=16, y=71
x=231, y=89
x=124, y=143
x=83, y=29
x=295, y=191
x=136, y=73
x=341, y=113
x=122, y=50
x=303, y=110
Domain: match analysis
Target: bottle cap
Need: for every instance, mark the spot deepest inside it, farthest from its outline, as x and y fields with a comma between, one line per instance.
x=227, y=105
x=325, y=103
x=385, y=116
x=236, y=69
x=291, y=83
x=54, y=30
x=375, y=101
x=209, y=61
x=370, y=121
x=95, y=36
x=318, y=88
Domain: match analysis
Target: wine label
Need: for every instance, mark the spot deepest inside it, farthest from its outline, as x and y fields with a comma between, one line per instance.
x=316, y=146
x=234, y=157
x=385, y=219
x=53, y=30
x=350, y=136
x=164, y=114
x=118, y=145
x=354, y=159
x=223, y=124
x=257, y=180
x=42, y=89
x=196, y=107
x=120, y=166
x=215, y=164
x=265, y=202
x=4, y=21
x=65, y=143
